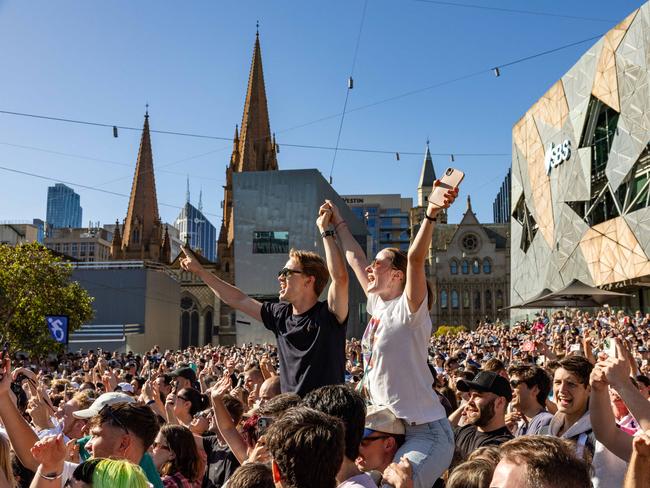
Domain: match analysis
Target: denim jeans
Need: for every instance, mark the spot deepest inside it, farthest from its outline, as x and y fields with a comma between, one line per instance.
x=429, y=448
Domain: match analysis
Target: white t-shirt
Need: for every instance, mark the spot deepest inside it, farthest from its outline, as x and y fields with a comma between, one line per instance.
x=395, y=352
x=359, y=481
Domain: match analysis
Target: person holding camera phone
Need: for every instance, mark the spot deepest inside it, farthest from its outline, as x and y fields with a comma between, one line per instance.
x=394, y=345
x=310, y=333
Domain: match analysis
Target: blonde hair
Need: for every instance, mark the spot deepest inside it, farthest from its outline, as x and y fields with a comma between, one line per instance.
x=5, y=460
x=312, y=265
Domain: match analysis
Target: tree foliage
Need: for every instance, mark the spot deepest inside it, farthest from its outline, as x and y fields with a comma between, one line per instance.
x=35, y=283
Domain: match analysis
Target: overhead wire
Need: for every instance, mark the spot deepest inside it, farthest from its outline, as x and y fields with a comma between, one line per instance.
x=512, y=10
x=350, y=87
x=322, y=119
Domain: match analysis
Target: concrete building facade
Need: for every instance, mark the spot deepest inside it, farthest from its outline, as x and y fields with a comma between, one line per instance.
x=89, y=245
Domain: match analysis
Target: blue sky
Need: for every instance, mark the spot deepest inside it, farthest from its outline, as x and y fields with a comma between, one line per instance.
x=103, y=61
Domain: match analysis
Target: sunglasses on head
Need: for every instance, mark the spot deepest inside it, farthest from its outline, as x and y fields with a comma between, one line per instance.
x=286, y=272
x=107, y=411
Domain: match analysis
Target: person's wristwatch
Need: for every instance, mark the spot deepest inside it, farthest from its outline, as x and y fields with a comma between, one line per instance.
x=327, y=233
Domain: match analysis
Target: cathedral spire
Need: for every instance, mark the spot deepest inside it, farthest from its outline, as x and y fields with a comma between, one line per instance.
x=142, y=228
x=255, y=143
x=427, y=178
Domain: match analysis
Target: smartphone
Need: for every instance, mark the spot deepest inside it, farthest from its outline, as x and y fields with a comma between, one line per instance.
x=450, y=180
x=3, y=355
x=609, y=348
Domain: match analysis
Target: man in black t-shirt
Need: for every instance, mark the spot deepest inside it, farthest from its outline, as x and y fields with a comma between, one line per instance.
x=310, y=334
x=485, y=412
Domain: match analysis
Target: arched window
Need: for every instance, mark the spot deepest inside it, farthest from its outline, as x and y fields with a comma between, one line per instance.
x=189, y=322
x=476, y=267
x=477, y=301
x=488, y=301
x=466, y=299
x=443, y=299
x=454, y=299
x=453, y=267
x=464, y=267
x=499, y=299
x=207, y=327
x=487, y=266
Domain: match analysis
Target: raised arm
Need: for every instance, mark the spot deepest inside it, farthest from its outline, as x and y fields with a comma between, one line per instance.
x=337, y=296
x=416, y=281
x=602, y=417
x=21, y=435
x=226, y=292
x=226, y=426
x=354, y=255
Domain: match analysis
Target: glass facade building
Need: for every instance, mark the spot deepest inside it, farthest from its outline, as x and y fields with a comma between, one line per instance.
x=387, y=219
x=63, y=207
x=195, y=228
x=501, y=204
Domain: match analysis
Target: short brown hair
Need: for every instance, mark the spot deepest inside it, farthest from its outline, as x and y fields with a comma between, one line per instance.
x=550, y=462
x=137, y=419
x=252, y=475
x=579, y=366
x=307, y=446
x=312, y=265
x=476, y=473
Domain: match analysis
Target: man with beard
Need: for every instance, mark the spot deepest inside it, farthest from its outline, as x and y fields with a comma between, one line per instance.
x=485, y=412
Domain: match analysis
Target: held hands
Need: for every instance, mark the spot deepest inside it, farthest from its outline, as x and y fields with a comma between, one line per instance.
x=324, y=216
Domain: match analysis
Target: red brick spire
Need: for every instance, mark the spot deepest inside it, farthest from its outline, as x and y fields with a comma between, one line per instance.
x=255, y=143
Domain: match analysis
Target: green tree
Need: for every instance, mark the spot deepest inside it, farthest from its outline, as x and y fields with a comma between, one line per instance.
x=35, y=283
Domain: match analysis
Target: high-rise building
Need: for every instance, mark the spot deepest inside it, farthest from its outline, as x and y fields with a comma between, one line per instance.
x=195, y=228
x=387, y=219
x=84, y=244
x=501, y=204
x=142, y=236
x=63, y=207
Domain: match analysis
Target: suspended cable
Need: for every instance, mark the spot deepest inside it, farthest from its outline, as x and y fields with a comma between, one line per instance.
x=321, y=119
x=87, y=187
x=513, y=11
x=350, y=87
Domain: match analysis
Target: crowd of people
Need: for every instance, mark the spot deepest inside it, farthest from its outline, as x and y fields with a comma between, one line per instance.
x=560, y=400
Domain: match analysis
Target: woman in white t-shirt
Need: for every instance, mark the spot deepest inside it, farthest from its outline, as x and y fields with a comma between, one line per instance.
x=395, y=345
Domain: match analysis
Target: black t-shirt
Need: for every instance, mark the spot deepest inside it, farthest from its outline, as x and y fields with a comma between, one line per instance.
x=311, y=346
x=221, y=463
x=469, y=438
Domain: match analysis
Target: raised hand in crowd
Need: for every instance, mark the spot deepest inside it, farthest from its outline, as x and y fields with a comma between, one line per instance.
x=638, y=471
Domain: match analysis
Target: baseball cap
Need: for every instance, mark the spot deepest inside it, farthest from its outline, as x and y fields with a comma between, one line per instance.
x=101, y=401
x=127, y=387
x=487, y=381
x=185, y=372
x=382, y=419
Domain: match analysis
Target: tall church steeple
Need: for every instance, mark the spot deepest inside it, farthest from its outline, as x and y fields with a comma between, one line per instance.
x=256, y=152
x=142, y=234
x=254, y=149
x=427, y=178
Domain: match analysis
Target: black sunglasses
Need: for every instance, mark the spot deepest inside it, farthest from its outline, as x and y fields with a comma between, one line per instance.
x=107, y=411
x=286, y=272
